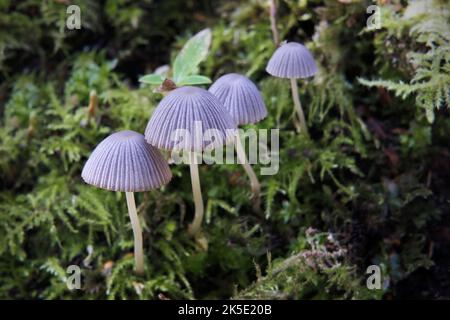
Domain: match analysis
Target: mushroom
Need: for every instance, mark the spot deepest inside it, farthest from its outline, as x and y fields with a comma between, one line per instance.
x=244, y=102
x=193, y=111
x=124, y=162
x=293, y=61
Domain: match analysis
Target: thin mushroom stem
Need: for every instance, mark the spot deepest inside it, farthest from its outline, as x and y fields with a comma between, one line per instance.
x=194, y=227
x=297, y=126
x=254, y=182
x=298, y=106
x=273, y=22
x=137, y=232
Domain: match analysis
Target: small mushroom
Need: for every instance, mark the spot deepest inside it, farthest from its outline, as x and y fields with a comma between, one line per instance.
x=293, y=61
x=125, y=162
x=244, y=102
x=182, y=110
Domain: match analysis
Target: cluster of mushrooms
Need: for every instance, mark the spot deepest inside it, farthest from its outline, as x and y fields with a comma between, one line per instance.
x=129, y=162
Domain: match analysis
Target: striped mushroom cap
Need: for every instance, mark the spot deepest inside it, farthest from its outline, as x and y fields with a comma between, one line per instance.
x=241, y=98
x=124, y=162
x=190, y=119
x=292, y=60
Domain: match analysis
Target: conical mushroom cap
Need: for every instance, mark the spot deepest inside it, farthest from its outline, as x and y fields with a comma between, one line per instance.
x=241, y=98
x=185, y=118
x=292, y=60
x=124, y=162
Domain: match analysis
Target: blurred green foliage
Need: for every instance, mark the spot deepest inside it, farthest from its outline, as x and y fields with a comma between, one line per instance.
x=368, y=188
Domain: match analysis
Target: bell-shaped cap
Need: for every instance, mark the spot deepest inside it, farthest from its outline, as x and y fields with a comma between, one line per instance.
x=292, y=60
x=124, y=162
x=241, y=98
x=190, y=119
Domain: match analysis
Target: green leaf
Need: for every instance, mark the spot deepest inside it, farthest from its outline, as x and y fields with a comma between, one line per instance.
x=194, y=51
x=191, y=80
x=152, y=79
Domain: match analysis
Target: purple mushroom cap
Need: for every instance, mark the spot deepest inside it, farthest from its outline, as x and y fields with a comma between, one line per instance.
x=292, y=60
x=124, y=162
x=190, y=119
x=241, y=98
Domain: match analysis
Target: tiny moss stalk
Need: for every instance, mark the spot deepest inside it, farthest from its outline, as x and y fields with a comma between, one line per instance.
x=197, y=192
x=137, y=232
x=254, y=182
x=298, y=107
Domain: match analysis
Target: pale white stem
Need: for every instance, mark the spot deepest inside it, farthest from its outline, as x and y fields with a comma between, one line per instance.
x=254, y=182
x=197, y=192
x=273, y=22
x=137, y=232
x=298, y=106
